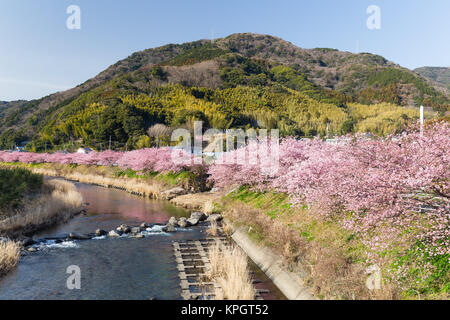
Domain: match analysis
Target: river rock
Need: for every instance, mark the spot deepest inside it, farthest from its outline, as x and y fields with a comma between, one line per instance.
x=169, y=228
x=183, y=223
x=27, y=242
x=124, y=228
x=215, y=217
x=31, y=249
x=100, y=232
x=76, y=236
x=200, y=216
x=135, y=230
x=139, y=236
x=193, y=221
x=144, y=225
x=172, y=221
x=114, y=233
x=172, y=193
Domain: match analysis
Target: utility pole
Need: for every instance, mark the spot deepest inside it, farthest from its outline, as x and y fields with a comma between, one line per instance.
x=422, y=119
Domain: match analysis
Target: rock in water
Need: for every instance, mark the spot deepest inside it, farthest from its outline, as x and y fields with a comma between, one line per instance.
x=192, y=221
x=200, y=216
x=27, y=242
x=124, y=228
x=76, y=236
x=169, y=229
x=113, y=233
x=31, y=249
x=215, y=217
x=139, y=236
x=172, y=221
x=183, y=223
x=100, y=232
x=144, y=225
x=135, y=230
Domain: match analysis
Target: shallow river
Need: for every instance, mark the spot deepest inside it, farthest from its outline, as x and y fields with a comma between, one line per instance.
x=111, y=268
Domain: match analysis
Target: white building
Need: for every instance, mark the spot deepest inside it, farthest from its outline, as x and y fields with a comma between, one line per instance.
x=84, y=150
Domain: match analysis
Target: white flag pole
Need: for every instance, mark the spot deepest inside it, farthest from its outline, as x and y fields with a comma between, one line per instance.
x=421, y=119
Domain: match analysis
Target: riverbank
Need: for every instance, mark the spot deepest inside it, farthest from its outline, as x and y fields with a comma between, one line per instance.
x=150, y=184
x=202, y=201
x=56, y=202
x=289, y=281
x=327, y=258
x=306, y=257
x=311, y=253
x=29, y=204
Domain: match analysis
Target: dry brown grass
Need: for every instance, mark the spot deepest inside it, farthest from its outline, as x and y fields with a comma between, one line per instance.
x=9, y=256
x=104, y=177
x=213, y=229
x=58, y=201
x=229, y=270
x=227, y=228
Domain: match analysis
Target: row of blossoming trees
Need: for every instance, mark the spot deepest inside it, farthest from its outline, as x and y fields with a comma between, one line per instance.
x=385, y=188
x=153, y=159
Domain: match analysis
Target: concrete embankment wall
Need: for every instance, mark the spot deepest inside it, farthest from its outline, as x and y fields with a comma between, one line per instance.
x=290, y=283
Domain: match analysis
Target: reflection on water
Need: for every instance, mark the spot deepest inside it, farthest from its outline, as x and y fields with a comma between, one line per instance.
x=127, y=206
x=123, y=268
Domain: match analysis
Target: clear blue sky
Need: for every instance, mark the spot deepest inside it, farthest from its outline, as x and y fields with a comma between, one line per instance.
x=39, y=55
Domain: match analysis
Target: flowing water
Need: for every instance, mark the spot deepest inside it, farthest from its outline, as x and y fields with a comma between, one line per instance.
x=111, y=268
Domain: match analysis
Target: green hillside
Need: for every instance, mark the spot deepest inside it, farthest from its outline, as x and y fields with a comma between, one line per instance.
x=440, y=75
x=244, y=80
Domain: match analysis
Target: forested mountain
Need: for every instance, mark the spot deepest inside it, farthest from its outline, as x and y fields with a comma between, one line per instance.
x=243, y=80
x=440, y=75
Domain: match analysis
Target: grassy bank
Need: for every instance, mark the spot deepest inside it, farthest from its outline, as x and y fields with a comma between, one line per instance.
x=14, y=184
x=334, y=258
x=56, y=202
x=29, y=203
x=150, y=184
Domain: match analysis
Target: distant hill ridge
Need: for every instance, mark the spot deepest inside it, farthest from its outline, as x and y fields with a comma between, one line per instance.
x=439, y=75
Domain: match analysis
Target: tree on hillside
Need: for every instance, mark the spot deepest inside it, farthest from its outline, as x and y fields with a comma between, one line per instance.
x=160, y=132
